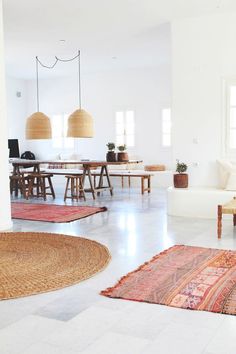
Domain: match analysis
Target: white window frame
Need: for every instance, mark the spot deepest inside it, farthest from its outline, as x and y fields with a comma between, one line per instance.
x=163, y=133
x=228, y=152
x=125, y=124
x=61, y=141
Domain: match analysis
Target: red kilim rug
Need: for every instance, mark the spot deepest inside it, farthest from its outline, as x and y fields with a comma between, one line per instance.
x=187, y=277
x=52, y=212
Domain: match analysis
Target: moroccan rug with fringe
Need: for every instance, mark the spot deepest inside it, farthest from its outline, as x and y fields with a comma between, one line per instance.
x=187, y=277
x=52, y=212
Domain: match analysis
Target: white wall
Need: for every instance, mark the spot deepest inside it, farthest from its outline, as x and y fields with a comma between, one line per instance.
x=16, y=110
x=146, y=91
x=203, y=53
x=5, y=209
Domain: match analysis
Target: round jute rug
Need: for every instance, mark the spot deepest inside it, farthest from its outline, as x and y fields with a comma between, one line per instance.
x=35, y=262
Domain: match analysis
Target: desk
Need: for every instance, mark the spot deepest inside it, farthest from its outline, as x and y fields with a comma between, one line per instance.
x=87, y=167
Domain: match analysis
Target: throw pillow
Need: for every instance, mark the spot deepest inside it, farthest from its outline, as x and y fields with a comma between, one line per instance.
x=225, y=169
x=231, y=183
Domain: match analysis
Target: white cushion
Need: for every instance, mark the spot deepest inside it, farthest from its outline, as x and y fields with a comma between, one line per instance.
x=226, y=168
x=70, y=156
x=51, y=157
x=117, y=167
x=231, y=183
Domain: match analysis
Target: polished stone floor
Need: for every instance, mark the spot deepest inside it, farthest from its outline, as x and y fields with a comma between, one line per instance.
x=78, y=320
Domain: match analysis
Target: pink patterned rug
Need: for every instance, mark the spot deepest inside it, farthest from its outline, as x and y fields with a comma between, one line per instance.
x=52, y=212
x=187, y=277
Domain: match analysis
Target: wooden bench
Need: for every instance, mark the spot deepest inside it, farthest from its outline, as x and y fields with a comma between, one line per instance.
x=144, y=175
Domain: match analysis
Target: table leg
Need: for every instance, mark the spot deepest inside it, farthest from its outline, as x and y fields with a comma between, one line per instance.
x=219, y=221
x=16, y=171
x=36, y=169
x=149, y=184
x=100, y=182
x=84, y=173
x=142, y=185
x=90, y=181
x=234, y=219
x=108, y=179
x=122, y=181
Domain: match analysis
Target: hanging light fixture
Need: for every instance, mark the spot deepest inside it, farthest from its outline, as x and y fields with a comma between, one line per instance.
x=80, y=122
x=38, y=125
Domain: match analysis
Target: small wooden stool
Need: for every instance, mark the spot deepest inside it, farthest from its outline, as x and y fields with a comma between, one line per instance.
x=38, y=181
x=229, y=208
x=18, y=182
x=74, y=184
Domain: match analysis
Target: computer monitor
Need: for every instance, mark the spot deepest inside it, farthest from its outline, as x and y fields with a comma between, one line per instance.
x=13, y=146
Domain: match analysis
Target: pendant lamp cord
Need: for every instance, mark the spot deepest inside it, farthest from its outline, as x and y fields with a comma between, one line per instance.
x=51, y=67
x=79, y=80
x=37, y=82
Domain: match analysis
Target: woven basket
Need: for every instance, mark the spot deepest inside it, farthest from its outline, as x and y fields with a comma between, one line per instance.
x=154, y=168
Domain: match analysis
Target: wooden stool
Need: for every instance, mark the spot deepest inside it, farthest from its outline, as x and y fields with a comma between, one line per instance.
x=18, y=183
x=74, y=184
x=38, y=181
x=229, y=208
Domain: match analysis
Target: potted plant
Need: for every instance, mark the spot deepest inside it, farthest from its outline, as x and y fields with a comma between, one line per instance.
x=122, y=155
x=111, y=155
x=181, y=178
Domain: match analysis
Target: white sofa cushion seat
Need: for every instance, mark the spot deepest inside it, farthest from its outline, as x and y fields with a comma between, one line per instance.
x=196, y=202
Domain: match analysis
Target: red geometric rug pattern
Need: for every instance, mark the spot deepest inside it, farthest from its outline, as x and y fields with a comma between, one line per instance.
x=52, y=212
x=188, y=277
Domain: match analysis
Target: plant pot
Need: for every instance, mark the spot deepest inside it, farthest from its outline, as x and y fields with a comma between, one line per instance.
x=122, y=157
x=111, y=156
x=181, y=180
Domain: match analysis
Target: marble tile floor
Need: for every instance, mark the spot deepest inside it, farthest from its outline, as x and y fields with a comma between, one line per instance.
x=78, y=320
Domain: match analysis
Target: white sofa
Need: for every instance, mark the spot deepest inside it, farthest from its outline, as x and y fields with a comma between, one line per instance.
x=202, y=202
x=196, y=202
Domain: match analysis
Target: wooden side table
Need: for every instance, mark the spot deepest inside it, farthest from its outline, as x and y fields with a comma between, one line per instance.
x=228, y=208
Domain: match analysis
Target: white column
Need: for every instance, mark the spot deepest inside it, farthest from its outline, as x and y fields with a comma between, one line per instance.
x=5, y=206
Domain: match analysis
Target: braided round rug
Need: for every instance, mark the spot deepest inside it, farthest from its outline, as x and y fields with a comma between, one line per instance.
x=36, y=262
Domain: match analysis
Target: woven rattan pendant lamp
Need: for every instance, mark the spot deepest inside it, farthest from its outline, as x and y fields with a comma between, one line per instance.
x=38, y=125
x=80, y=122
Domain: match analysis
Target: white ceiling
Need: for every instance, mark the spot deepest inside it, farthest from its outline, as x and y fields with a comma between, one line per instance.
x=136, y=32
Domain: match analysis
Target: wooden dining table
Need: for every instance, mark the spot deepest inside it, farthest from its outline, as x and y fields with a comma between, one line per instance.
x=87, y=167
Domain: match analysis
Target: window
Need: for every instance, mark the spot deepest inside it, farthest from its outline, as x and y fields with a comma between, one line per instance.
x=166, y=127
x=59, y=132
x=125, y=128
